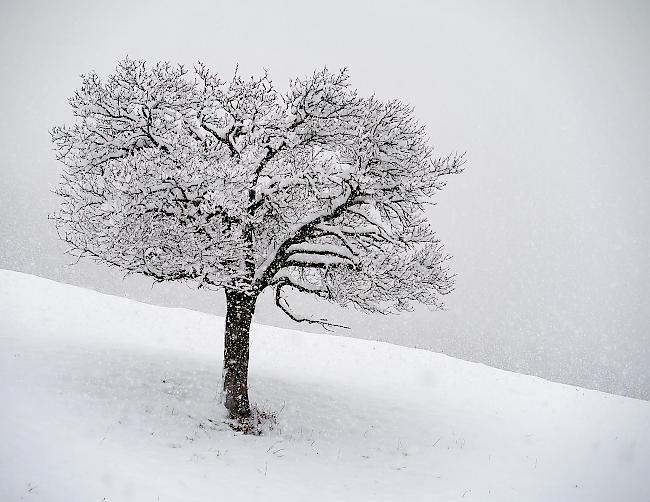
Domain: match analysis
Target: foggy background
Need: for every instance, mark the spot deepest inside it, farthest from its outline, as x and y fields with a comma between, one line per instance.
x=549, y=225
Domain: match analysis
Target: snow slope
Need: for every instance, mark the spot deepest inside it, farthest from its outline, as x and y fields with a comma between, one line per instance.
x=107, y=399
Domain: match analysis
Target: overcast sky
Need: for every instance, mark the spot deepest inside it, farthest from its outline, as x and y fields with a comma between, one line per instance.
x=549, y=226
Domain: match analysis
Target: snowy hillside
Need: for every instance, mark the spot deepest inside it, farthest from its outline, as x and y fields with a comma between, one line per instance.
x=106, y=399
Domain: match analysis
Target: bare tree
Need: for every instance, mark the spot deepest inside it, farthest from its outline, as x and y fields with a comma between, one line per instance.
x=181, y=176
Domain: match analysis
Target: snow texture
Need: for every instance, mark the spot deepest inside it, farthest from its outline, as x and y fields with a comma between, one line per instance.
x=107, y=399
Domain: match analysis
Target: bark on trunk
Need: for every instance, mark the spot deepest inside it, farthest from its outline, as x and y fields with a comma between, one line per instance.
x=239, y=313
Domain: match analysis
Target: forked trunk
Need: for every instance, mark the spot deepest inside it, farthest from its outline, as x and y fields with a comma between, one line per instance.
x=239, y=313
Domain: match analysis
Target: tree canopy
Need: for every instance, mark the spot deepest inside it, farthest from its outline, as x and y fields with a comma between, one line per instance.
x=177, y=174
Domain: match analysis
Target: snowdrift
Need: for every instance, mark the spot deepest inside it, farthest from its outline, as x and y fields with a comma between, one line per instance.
x=107, y=399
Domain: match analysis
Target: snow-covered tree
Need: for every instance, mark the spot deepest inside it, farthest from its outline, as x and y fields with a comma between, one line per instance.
x=181, y=176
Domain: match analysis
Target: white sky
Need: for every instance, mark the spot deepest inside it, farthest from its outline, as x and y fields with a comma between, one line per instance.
x=549, y=226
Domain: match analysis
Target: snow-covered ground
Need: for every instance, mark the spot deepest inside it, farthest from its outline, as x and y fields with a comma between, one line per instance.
x=107, y=399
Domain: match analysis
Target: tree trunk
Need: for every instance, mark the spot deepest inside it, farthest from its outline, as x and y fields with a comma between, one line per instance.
x=239, y=313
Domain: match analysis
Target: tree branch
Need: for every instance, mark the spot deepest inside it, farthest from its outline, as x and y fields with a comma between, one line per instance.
x=283, y=304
